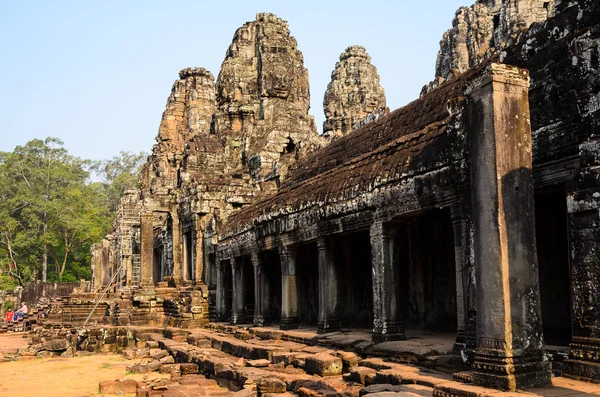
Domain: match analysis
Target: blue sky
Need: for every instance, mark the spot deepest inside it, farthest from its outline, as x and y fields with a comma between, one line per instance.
x=97, y=74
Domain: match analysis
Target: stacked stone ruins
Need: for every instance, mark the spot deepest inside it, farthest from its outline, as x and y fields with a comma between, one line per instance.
x=474, y=209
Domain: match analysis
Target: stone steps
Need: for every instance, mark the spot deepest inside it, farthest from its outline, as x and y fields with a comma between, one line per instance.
x=278, y=367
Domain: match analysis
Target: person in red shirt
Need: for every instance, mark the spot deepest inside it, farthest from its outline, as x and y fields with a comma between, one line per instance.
x=10, y=315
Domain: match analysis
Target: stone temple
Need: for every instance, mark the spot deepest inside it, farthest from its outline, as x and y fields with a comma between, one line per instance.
x=473, y=210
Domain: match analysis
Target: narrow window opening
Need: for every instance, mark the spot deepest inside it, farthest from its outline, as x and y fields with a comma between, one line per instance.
x=496, y=21
x=291, y=146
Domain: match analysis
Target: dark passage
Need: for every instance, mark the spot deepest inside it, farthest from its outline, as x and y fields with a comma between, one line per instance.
x=353, y=261
x=307, y=273
x=227, y=289
x=424, y=252
x=553, y=262
x=248, y=287
x=189, y=255
x=271, y=285
x=157, y=265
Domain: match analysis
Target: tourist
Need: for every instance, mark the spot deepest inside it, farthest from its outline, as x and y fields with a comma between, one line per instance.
x=10, y=315
x=22, y=311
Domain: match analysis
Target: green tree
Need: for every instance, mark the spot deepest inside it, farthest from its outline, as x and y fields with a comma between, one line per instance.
x=49, y=211
x=119, y=174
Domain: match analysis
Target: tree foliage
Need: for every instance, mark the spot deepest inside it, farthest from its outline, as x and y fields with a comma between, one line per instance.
x=50, y=212
x=119, y=174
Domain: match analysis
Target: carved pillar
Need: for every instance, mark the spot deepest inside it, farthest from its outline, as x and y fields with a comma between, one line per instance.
x=510, y=345
x=387, y=322
x=238, y=310
x=147, y=247
x=259, y=295
x=221, y=302
x=128, y=265
x=584, y=218
x=462, y=225
x=199, y=250
x=289, y=289
x=177, y=245
x=185, y=257
x=96, y=260
x=328, y=288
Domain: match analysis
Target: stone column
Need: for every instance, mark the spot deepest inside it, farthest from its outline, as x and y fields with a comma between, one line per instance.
x=510, y=345
x=96, y=267
x=259, y=296
x=238, y=311
x=177, y=245
x=184, y=258
x=199, y=250
x=147, y=247
x=289, y=289
x=105, y=268
x=387, y=322
x=128, y=264
x=221, y=304
x=462, y=225
x=584, y=219
x=328, y=288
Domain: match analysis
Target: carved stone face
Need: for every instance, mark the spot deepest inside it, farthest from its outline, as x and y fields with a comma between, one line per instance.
x=277, y=84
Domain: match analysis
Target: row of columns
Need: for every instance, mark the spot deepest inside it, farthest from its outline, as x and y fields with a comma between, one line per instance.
x=509, y=347
x=181, y=260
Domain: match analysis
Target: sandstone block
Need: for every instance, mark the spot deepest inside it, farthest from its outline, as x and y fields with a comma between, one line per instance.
x=55, y=345
x=157, y=354
x=143, y=368
x=349, y=360
x=170, y=369
x=189, y=368
x=258, y=363
x=271, y=385
x=323, y=364
x=243, y=393
x=124, y=386
x=361, y=375
x=167, y=360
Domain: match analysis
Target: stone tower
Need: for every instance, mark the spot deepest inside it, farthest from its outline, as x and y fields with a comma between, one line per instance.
x=188, y=113
x=485, y=27
x=354, y=93
x=263, y=98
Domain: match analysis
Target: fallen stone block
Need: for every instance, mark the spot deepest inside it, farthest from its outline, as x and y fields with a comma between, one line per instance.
x=271, y=384
x=167, y=360
x=363, y=375
x=170, y=369
x=124, y=386
x=349, y=360
x=143, y=368
x=381, y=388
x=258, y=363
x=157, y=354
x=323, y=364
x=188, y=368
x=243, y=393
x=55, y=345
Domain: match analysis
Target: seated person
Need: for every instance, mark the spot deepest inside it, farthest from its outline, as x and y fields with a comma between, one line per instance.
x=22, y=311
x=10, y=315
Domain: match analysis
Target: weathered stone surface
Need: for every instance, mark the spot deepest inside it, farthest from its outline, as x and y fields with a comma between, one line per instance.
x=258, y=363
x=323, y=364
x=263, y=98
x=354, y=95
x=361, y=375
x=483, y=29
x=188, y=368
x=123, y=386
